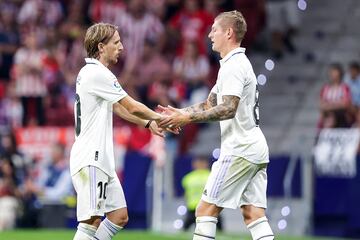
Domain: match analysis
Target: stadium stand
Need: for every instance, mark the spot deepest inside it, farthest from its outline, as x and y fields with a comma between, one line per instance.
x=289, y=102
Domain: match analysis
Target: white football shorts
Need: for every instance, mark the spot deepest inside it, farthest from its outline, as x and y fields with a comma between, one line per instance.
x=97, y=193
x=234, y=182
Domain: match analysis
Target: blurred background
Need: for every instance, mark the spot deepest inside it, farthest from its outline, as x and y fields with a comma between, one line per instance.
x=305, y=54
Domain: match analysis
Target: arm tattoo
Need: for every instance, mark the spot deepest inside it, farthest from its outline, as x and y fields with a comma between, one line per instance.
x=195, y=108
x=224, y=111
x=210, y=102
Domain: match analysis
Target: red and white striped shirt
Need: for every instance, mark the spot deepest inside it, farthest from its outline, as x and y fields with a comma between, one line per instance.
x=135, y=31
x=28, y=73
x=335, y=93
x=105, y=10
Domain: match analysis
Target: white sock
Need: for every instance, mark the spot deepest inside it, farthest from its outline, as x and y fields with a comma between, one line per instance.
x=106, y=230
x=84, y=232
x=260, y=229
x=205, y=228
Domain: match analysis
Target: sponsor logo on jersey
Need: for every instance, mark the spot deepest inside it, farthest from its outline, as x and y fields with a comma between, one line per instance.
x=78, y=80
x=205, y=192
x=116, y=84
x=96, y=155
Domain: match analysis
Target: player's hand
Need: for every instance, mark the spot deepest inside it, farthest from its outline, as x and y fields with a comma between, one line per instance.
x=174, y=130
x=176, y=118
x=167, y=110
x=156, y=130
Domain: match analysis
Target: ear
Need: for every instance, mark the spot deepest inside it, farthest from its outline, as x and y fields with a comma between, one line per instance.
x=229, y=32
x=101, y=47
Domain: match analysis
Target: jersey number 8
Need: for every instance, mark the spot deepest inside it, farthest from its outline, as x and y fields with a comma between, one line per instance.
x=78, y=115
x=256, y=107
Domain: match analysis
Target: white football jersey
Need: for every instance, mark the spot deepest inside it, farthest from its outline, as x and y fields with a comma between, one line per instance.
x=241, y=136
x=97, y=89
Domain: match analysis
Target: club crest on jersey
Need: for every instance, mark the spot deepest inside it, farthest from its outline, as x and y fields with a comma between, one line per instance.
x=116, y=84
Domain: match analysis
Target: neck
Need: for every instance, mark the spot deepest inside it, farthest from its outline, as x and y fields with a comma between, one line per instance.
x=228, y=49
x=103, y=61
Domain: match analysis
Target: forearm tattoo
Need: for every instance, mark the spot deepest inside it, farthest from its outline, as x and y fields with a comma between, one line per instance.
x=224, y=111
x=210, y=102
x=195, y=108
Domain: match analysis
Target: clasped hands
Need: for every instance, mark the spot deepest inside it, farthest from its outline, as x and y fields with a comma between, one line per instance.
x=172, y=120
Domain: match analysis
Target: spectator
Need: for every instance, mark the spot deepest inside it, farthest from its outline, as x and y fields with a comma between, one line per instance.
x=283, y=22
x=163, y=91
x=335, y=100
x=54, y=180
x=194, y=184
x=158, y=8
x=193, y=24
x=135, y=26
x=9, y=38
x=50, y=183
x=28, y=80
x=352, y=79
x=11, y=111
x=106, y=10
x=9, y=148
x=154, y=68
x=193, y=69
x=49, y=13
x=36, y=16
x=72, y=59
x=9, y=204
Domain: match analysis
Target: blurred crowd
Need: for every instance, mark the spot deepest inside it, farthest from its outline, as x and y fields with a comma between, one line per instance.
x=167, y=57
x=167, y=60
x=340, y=97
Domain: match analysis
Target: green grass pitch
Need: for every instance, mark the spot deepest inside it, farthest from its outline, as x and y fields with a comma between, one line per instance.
x=126, y=235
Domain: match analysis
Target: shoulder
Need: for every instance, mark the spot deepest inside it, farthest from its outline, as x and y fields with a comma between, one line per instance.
x=238, y=64
x=242, y=61
x=95, y=71
x=344, y=85
x=238, y=60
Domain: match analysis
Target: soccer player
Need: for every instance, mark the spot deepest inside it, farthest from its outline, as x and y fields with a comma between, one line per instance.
x=98, y=95
x=238, y=179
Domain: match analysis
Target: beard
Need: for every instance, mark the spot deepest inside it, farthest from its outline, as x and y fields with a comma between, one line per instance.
x=114, y=60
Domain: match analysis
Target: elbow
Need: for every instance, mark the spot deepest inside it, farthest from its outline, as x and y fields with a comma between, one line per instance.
x=232, y=114
x=116, y=108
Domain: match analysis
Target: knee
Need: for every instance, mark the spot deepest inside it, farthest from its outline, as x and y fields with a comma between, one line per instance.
x=97, y=222
x=207, y=209
x=124, y=220
x=199, y=211
x=248, y=217
x=93, y=221
x=121, y=220
x=251, y=214
x=119, y=217
x=202, y=210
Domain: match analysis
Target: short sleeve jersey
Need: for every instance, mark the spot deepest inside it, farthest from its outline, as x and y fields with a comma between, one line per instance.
x=97, y=89
x=241, y=136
